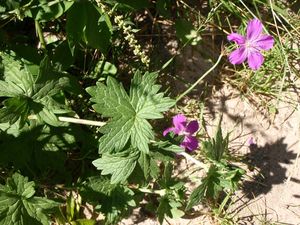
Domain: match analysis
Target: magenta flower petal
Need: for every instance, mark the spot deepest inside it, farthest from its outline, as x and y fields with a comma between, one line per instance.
x=254, y=29
x=238, y=56
x=192, y=127
x=265, y=42
x=255, y=60
x=179, y=122
x=168, y=130
x=190, y=143
x=237, y=38
x=251, y=45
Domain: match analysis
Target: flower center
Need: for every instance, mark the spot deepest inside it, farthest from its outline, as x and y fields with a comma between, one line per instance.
x=248, y=44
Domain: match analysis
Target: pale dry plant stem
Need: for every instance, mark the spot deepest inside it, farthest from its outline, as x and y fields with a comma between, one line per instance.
x=81, y=121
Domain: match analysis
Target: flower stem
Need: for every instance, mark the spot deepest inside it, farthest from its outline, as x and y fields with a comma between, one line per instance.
x=200, y=79
x=195, y=161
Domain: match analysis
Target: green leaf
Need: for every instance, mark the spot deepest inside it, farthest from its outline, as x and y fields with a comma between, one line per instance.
x=28, y=92
x=129, y=5
x=42, y=149
x=43, y=11
x=186, y=32
x=15, y=108
x=209, y=188
x=83, y=222
x=19, y=206
x=144, y=163
x=129, y=114
x=216, y=148
x=164, y=209
x=197, y=195
x=177, y=213
x=108, y=69
x=120, y=165
x=84, y=22
x=16, y=75
x=113, y=200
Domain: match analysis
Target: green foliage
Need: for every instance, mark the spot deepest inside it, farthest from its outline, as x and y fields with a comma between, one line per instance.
x=113, y=200
x=28, y=91
x=129, y=114
x=87, y=23
x=171, y=200
x=103, y=69
x=217, y=147
x=186, y=32
x=129, y=5
x=43, y=10
x=71, y=215
x=42, y=149
x=19, y=205
x=222, y=176
x=219, y=178
x=119, y=165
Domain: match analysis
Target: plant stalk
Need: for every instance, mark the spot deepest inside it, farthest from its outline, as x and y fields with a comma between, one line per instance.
x=200, y=79
x=195, y=161
x=40, y=35
x=81, y=121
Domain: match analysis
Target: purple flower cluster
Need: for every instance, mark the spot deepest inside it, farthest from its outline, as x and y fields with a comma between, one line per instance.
x=182, y=127
x=251, y=45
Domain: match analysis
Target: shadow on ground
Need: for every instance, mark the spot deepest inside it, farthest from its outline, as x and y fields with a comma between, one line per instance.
x=270, y=161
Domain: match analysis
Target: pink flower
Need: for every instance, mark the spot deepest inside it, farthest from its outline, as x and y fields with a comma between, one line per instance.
x=251, y=45
x=181, y=127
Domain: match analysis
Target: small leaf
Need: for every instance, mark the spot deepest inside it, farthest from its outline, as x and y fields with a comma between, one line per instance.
x=186, y=32
x=177, y=213
x=163, y=209
x=84, y=22
x=144, y=162
x=120, y=166
x=15, y=108
x=43, y=11
x=30, y=93
x=197, y=195
x=113, y=200
x=18, y=206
